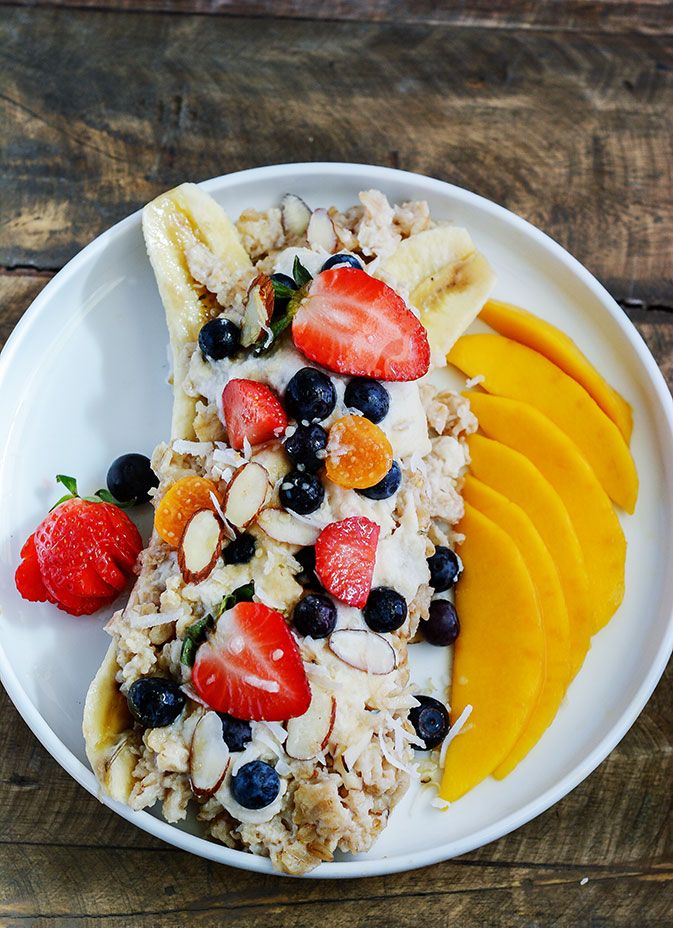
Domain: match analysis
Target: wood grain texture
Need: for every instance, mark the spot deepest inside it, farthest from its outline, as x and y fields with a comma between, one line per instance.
x=586, y=15
x=569, y=130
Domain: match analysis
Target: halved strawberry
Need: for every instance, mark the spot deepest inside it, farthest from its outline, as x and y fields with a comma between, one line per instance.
x=345, y=554
x=253, y=411
x=351, y=323
x=251, y=667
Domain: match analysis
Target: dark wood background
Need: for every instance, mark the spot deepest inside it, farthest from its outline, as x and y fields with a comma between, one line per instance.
x=561, y=111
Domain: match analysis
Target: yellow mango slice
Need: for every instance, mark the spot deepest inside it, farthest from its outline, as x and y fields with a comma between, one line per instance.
x=596, y=525
x=498, y=661
x=528, y=329
x=513, y=370
x=513, y=520
x=513, y=475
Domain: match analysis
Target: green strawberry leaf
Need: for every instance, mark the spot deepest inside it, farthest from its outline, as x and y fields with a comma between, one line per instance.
x=69, y=483
x=194, y=636
x=282, y=291
x=243, y=594
x=300, y=274
x=104, y=496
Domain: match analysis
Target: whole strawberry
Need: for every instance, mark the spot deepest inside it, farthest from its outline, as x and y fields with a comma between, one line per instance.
x=80, y=556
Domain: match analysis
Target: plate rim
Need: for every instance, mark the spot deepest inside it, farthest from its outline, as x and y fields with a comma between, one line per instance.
x=505, y=824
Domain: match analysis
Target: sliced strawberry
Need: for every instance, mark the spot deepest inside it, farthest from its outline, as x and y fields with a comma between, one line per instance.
x=235, y=670
x=345, y=554
x=28, y=578
x=351, y=323
x=253, y=411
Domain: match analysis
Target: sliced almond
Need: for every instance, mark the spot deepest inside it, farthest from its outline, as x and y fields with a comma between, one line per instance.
x=209, y=756
x=258, y=311
x=295, y=214
x=308, y=734
x=282, y=526
x=320, y=232
x=363, y=650
x=276, y=460
x=246, y=494
x=200, y=546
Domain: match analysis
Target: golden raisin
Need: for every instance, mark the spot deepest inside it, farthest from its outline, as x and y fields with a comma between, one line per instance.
x=179, y=503
x=358, y=453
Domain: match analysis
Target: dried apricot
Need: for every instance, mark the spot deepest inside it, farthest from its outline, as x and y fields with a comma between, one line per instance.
x=358, y=453
x=179, y=503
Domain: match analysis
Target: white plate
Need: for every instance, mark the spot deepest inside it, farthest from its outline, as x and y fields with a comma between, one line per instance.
x=83, y=379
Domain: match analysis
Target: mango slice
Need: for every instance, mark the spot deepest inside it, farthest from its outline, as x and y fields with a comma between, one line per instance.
x=522, y=326
x=513, y=520
x=600, y=535
x=513, y=475
x=498, y=663
x=518, y=372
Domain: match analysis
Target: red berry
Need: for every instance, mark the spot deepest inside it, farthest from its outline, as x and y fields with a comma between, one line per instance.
x=251, y=666
x=84, y=553
x=28, y=578
x=354, y=324
x=253, y=411
x=345, y=554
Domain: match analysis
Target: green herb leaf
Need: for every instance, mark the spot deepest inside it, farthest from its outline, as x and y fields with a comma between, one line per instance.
x=243, y=594
x=300, y=274
x=68, y=482
x=194, y=636
x=282, y=291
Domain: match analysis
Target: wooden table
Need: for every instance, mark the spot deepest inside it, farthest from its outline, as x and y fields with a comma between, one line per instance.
x=560, y=111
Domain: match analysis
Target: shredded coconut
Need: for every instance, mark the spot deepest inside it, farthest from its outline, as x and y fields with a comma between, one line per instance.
x=453, y=731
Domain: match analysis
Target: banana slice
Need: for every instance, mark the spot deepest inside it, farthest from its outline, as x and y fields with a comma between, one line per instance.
x=110, y=741
x=445, y=278
x=182, y=222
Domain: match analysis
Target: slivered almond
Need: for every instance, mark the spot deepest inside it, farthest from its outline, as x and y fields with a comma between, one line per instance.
x=308, y=734
x=295, y=214
x=246, y=494
x=363, y=650
x=320, y=232
x=208, y=757
x=200, y=546
x=282, y=526
x=258, y=311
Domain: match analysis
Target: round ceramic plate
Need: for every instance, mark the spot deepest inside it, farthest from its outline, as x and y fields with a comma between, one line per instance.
x=84, y=377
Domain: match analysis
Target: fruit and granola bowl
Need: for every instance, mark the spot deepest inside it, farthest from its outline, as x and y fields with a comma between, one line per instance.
x=369, y=459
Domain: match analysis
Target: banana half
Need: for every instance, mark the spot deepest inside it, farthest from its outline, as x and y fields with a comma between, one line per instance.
x=173, y=224
x=112, y=745
x=445, y=278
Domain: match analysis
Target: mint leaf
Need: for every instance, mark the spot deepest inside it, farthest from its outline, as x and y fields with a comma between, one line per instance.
x=69, y=483
x=300, y=274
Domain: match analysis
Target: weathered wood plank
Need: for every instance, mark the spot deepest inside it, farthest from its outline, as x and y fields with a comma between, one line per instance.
x=569, y=130
x=598, y=15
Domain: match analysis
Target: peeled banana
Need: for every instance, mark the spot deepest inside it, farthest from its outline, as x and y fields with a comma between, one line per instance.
x=110, y=741
x=174, y=223
x=445, y=278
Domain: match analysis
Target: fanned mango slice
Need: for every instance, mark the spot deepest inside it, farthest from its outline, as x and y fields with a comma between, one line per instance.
x=522, y=326
x=513, y=475
x=600, y=535
x=513, y=520
x=513, y=370
x=498, y=663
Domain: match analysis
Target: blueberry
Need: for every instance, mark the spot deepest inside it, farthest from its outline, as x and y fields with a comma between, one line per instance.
x=302, y=493
x=315, y=615
x=445, y=568
x=442, y=627
x=219, y=339
x=386, y=486
x=430, y=721
x=385, y=610
x=368, y=396
x=310, y=395
x=304, y=446
x=236, y=732
x=255, y=785
x=308, y=576
x=342, y=260
x=155, y=701
x=131, y=477
x=241, y=550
